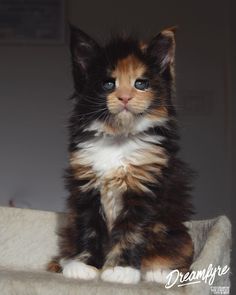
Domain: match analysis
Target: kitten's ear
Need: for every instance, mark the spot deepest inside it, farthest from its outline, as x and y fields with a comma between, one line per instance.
x=83, y=49
x=161, y=49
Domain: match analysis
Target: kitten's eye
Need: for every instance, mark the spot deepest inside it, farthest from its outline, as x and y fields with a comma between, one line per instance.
x=109, y=85
x=141, y=84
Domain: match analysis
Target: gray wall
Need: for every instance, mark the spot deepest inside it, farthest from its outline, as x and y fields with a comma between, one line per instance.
x=36, y=80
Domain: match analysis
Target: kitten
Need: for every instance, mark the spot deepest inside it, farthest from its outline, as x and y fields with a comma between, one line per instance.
x=129, y=192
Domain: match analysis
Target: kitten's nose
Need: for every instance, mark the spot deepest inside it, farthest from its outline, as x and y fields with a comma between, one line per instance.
x=125, y=98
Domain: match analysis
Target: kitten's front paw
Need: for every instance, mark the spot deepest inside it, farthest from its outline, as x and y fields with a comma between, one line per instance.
x=120, y=274
x=157, y=275
x=79, y=270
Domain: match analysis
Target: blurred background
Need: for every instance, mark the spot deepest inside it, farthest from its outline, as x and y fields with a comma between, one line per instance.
x=35, y=82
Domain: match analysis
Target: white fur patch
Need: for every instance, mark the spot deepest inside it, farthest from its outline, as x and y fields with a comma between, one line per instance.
x=105, y=153
x=119, y=274
x=78, y=270
x=140, y=125
x=145, y=123
x=157, y=275
x=95, y=126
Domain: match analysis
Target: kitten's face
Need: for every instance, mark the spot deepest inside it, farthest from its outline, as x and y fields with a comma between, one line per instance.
x=123, y=87
x=130, y=87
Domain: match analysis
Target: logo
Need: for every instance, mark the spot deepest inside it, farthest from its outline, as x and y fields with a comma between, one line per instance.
x=175, y=277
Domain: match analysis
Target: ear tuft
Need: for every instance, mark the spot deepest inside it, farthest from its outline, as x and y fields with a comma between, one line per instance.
x=161, y=49
x=83, y=48
x=171, y=31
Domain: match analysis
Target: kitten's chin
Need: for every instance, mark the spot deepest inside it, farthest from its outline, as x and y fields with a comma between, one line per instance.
x=124, y=121
x=124, y=116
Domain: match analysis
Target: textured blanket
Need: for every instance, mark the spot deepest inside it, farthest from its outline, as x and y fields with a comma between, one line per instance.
x=28, y=240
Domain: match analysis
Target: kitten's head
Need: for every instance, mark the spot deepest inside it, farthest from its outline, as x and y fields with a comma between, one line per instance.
x=124, y=86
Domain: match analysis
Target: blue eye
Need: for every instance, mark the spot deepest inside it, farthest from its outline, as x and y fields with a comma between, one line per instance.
x=141, y=84
x=109, y=85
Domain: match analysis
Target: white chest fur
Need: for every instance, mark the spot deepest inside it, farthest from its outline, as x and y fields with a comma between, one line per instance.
x=106, y=153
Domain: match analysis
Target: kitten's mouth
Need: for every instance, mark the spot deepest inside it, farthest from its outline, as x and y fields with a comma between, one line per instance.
x=126, y=109
x=134, y=110
x=128, y=112
x=125, y=113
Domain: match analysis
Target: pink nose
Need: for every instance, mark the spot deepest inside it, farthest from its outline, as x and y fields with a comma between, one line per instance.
x=125, y=98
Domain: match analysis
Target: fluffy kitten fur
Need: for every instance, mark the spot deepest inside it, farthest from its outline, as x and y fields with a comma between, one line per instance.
x=129, y=192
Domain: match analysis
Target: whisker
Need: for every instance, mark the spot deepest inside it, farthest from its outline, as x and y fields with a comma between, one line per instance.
x=89, y=113
x=91, y=102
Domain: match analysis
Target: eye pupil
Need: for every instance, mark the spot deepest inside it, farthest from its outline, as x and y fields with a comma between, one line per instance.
x=109, y=85
x=141, y=84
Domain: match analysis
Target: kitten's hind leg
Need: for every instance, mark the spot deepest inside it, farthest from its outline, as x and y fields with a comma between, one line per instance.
x=172, y=251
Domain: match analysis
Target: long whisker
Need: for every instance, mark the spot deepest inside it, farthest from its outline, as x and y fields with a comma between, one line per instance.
x=92, y=102
x=91, y=115
x=96, y=96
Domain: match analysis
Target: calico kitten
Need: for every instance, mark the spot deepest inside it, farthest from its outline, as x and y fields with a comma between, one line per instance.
x=129, y=192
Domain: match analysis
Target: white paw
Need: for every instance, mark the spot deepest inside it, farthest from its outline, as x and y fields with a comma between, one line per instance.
x=79, y=270
x=120, y=274
x=157, y=275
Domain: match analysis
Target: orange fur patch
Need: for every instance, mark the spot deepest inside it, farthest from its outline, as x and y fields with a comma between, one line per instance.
x=158, y=262
x=82, y=172
x=126, y=72
x=129, y=67
x=54, y=266
x=160, y=112
x=159, y=228
x=181, y=261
